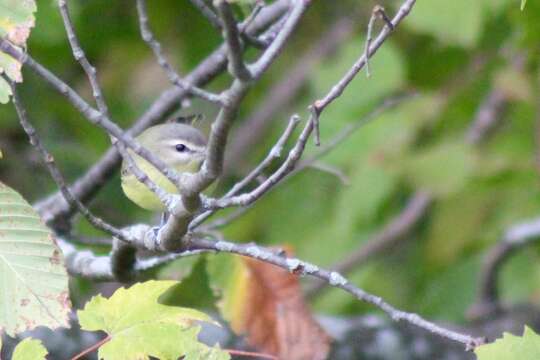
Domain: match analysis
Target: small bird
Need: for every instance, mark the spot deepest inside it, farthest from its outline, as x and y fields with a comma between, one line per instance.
x=181, y=147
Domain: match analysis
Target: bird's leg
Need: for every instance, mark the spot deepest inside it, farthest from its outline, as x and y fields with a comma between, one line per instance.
x=164, y=218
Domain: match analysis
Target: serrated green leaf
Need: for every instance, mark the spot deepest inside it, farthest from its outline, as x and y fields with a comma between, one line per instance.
x=526, y=347
x=34, y=283
x=141, y=326
x=165, y=341
x=29, y=349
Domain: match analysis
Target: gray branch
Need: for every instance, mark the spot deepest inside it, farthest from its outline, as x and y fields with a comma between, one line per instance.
x=335, y=279
x=236, y=67
x=208, y=13
x=517, y=237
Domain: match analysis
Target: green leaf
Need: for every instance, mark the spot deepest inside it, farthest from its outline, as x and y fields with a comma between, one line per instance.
x=228, y=285
x=458, y=22
x=360, y=201
x=140, y=326
x=442, y=169
x=5, y=90
x=29, y=349
x=16, y=20
x=446, y=294
x=523, y=2
x=34, y=284
x=458, y=221
x=194, y=289
x=526, y=347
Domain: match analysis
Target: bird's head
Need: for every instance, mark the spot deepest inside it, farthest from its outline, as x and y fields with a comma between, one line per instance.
x=178, y=145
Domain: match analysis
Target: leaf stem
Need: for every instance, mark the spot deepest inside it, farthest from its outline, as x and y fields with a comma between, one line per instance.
x=250, y=354
x=92, y=348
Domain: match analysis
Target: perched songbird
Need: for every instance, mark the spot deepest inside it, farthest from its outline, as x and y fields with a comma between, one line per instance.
x=181, y=147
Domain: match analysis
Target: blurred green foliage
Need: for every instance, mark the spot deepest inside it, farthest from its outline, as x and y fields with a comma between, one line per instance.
x=454, y=53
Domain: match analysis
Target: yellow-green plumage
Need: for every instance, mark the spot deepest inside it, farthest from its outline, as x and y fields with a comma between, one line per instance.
x=162, y=141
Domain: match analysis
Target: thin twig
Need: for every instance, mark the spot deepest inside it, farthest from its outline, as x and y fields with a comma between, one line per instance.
x=222, y=221
x=208, y=13
x=253, y=40
x=377, y=13
x=174, y=77
x=338, y=89
x=487, y=115
x=270, y=54
x=92, y=348
x=273, y=154
x=517, y=237
x=493, y=107
x=237, y=67
x=348, y=130
x=57, y=176
x=250, y=354
x=368, y=40
x=286, y=167
x=258, y=6
x=331, y=170
x=153, y=262
x=80, y=56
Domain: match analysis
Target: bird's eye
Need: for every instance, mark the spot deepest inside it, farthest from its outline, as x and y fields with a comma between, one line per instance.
x=181, y=147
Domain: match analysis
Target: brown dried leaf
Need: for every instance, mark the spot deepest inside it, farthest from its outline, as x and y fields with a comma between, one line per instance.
x=275, y=317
